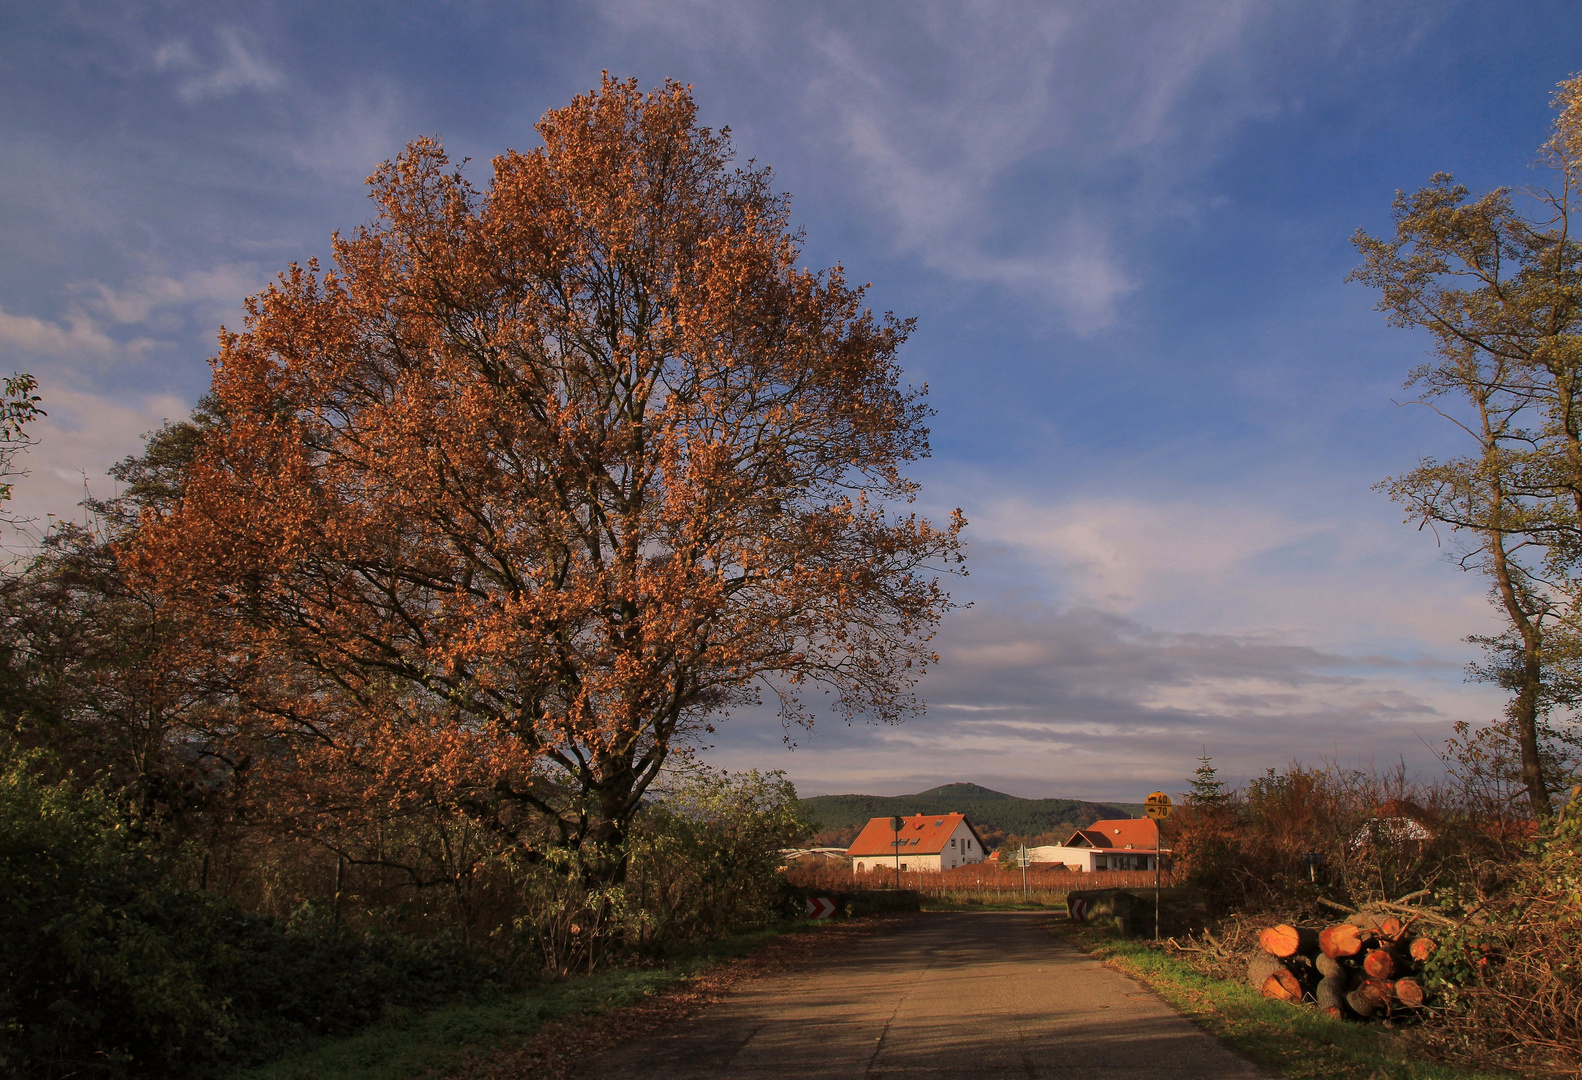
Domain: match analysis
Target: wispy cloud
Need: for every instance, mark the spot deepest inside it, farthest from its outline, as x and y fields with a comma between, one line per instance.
x=231, y=68
x=1078, y=702
x=1225, y=559
x=1006, y=145
x=108, y=335
x=83, y=435
x=345, y=138
x=217, y=290
x=24, y=337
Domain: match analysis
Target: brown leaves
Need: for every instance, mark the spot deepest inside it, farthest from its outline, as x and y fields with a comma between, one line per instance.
x=543, y=475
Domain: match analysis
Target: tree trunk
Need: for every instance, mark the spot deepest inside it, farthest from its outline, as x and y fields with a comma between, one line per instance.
x=1526, y=707
x=1286, y=940
x=1331, y=996
x=1344, y=939
x=1382, y=963
x=1259, y=967
x=1410, y=992
x=1362, y=1003
x=1282, y=985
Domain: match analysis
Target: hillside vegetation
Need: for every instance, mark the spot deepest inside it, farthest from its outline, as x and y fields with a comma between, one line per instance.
x=989, y=810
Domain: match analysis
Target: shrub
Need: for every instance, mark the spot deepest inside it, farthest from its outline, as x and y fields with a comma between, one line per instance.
x=1512, y=969
x=706, y=856
x=1291, y=836
x=108, y=969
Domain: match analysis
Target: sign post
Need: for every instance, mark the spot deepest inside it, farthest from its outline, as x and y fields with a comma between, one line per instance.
x=1024, y=873
x=1157, y=806
x=895, y=826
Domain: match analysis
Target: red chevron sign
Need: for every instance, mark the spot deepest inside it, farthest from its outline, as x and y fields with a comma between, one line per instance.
x=1079, y=910
x=820, y=907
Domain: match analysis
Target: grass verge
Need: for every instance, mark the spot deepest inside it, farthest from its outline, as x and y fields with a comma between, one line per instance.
x=1296, y=1043
x=408, y=1045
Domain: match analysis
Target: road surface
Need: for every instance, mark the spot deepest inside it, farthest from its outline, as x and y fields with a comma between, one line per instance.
x=965, y=995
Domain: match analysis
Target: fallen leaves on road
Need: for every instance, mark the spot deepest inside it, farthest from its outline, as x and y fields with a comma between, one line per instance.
x=559, y=1047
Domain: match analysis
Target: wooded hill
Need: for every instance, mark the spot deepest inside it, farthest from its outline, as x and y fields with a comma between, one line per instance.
x=983, y=807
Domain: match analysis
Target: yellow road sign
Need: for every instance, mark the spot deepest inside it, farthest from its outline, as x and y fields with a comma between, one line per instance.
x=1157, y=806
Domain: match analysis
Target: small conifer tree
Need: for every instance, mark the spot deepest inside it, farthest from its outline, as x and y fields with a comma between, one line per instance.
x=1208, y=792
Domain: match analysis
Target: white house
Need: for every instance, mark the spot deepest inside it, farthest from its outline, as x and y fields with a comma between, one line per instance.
x=1119, y=844
x=924, y=842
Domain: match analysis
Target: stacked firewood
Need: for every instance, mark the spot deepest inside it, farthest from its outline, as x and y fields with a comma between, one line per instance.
x=1370, y=965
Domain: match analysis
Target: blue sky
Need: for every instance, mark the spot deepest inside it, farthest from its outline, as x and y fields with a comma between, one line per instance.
x=1123, y=228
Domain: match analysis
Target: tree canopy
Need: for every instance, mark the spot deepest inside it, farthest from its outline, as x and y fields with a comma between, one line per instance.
x=539, y=479
x=1497, y=283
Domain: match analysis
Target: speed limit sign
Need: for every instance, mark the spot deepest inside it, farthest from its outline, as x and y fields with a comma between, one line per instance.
x=1157, y=806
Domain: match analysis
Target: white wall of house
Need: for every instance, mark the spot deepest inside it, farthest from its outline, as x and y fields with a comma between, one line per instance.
x=1088, y=860
x=1073, y=858
x=888, y=862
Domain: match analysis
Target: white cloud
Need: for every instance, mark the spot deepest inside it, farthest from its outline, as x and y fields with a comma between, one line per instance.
x=345, y=139
x=1082, y=703
x=83, y=435
x=103, y=338
x=218, y=291
x=236, y=68
x=1110, y=639
x=24, y=336
x=1005, y=144
x=1214, y=564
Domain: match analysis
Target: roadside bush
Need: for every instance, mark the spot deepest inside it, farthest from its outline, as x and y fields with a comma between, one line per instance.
x=702, y=862
x=1511, y=967
x=108, y=969
x=706, y=857
x=1500, y=897
x=1353, y=836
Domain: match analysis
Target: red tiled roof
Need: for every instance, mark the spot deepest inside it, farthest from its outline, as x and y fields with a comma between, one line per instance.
x=921, y=834
x=1118, y=834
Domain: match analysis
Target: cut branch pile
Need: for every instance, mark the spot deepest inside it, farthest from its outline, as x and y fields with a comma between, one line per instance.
x=1368, y=966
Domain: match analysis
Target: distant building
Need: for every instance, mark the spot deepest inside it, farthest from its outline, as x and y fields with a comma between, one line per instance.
x=1118, y=844
x=1397, y=823
x=812, y=856
x=925, y=842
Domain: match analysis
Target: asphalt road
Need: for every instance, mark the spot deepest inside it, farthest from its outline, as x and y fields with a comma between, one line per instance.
x=950, y=995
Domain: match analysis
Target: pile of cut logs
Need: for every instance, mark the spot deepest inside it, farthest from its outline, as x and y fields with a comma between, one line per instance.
x=1370, y=965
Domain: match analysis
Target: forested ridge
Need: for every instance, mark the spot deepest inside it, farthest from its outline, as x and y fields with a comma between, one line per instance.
x=984, y=807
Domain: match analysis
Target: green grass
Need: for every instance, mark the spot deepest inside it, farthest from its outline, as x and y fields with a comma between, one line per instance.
x=406, y=1045
x=1298, y=1043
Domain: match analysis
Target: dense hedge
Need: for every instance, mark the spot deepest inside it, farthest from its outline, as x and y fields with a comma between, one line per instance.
x=109, y=969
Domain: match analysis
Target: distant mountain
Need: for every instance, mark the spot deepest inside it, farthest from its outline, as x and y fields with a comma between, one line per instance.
x=983, y=806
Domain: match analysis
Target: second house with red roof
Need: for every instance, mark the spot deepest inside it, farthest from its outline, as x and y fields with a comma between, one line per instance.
x=923, y=842
x=1118, y=844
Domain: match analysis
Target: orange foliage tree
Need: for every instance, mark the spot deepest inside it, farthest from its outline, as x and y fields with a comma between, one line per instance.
x=540, y=478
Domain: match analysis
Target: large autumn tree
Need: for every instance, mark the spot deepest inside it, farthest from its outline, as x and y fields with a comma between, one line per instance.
x=541, y=479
